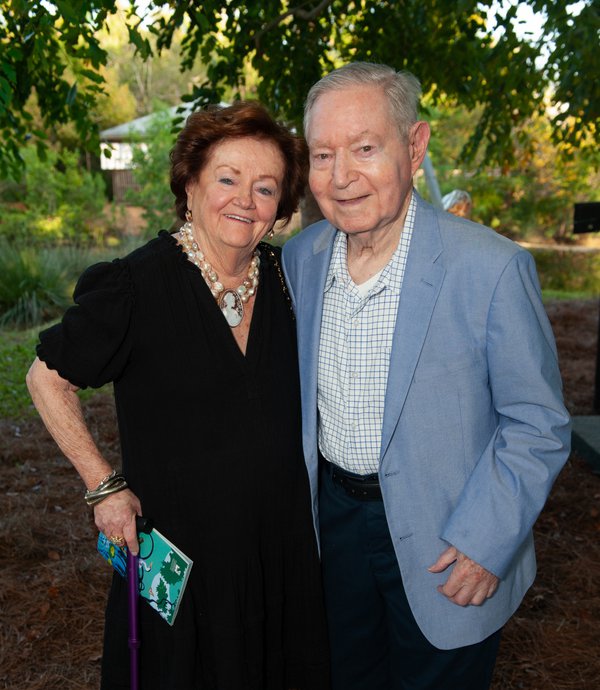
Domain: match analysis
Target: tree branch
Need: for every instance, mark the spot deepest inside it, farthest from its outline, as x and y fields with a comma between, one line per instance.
x=306, y=15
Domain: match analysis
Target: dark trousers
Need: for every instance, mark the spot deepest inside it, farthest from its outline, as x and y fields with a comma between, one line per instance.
x=375, y=642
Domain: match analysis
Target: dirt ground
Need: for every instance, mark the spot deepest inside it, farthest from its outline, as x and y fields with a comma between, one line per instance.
x=54, y=585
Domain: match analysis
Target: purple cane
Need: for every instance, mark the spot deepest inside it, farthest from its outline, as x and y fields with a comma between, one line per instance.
x=134, y=634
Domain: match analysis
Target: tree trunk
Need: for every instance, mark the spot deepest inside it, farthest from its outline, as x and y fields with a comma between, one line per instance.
x=309, y=209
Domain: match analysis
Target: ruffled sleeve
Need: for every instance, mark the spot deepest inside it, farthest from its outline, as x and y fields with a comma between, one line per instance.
x=92, y=343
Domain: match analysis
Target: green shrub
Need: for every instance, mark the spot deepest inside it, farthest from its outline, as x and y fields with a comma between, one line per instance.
x=565, y=271
x=60, y=203
x=11, y=191
x=36, y=284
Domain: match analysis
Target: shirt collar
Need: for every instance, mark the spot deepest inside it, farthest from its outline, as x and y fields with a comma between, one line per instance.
x=338, y=268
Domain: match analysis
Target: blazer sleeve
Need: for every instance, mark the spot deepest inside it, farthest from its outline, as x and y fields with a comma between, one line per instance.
x=506, y=491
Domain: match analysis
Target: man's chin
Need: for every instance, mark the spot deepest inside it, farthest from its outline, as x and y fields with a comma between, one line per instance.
x=351, y=228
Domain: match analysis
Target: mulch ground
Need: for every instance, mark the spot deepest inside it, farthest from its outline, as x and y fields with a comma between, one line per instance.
x=53, y=584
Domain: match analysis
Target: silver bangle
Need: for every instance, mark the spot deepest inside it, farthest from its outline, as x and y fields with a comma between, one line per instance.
x=109, y=485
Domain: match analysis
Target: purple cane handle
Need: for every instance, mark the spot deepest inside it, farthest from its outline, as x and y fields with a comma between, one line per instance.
x=134, y=633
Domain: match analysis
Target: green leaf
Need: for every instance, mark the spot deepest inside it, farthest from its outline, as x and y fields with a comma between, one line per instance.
x=92, y=76
x=142, y=44
x=71, y=95
x=42, y=150
x=5, y=91
x=9, y=71
x=68, y=11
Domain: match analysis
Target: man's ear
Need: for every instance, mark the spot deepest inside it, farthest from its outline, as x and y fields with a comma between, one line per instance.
x=418, y=139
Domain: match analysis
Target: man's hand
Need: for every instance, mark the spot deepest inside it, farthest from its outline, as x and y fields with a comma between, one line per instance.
x=469, y=583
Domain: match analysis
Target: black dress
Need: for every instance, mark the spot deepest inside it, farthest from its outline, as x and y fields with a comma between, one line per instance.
x=211, y=445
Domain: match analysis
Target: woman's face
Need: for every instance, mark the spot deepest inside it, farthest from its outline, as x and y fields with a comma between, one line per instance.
x=235, y=197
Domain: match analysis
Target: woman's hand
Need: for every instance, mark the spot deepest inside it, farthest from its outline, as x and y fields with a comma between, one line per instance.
x=115, y=516
x=56, y=400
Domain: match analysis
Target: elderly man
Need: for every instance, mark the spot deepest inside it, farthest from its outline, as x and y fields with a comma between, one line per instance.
x=433, y=418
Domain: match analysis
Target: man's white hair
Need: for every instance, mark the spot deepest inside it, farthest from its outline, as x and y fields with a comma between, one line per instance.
x=402, y=90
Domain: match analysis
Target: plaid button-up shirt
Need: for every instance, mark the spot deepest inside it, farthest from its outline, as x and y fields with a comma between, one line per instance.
x=354, y=356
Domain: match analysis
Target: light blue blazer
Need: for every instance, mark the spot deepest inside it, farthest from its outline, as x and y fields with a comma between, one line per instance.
x=475, y=429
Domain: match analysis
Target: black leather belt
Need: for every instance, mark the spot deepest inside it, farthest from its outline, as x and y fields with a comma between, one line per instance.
x=364, y=487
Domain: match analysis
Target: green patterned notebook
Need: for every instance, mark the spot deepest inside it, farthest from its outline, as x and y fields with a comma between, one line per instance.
x=163, y=570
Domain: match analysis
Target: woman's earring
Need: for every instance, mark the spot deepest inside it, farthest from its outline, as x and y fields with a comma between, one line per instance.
x=188, y=215
x=271, y=234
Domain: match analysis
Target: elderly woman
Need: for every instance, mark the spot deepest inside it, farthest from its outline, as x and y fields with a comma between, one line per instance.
x=196, y=333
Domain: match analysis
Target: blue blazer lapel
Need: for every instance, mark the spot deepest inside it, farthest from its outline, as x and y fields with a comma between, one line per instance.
x=420, y=289
x=314, y=274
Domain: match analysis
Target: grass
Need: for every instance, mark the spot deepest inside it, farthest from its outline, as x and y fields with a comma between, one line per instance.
x=567, y=295
x=17, y=352
x=568, y=273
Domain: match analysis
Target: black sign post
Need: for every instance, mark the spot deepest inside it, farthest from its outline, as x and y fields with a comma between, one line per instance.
x=597, y=387
x=586, y=218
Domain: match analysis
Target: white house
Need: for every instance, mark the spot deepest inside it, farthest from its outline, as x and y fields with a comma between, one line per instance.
x=117, y=146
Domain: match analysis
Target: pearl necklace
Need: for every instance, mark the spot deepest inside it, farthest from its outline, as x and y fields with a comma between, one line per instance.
x=231, y=302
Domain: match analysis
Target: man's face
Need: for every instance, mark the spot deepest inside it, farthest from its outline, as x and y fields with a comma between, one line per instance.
x=360, y=169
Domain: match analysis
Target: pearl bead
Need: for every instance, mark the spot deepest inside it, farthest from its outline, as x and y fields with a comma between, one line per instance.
x=195, y=255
